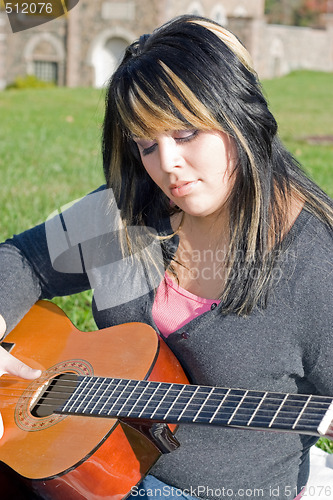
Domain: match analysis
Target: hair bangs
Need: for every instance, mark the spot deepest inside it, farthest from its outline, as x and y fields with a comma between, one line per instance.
x=163, y=103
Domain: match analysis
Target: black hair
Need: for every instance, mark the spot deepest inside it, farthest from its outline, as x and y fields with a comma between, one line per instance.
x=191, y=72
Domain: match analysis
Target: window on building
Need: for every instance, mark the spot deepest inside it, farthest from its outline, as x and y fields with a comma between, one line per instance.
x=46, y=71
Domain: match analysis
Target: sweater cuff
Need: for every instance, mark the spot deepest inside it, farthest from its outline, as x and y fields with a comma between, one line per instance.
x=19, y=287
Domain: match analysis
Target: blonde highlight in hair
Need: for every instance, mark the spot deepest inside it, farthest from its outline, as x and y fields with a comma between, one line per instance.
x=148, y=118
x=193, y=73
x=231, y=41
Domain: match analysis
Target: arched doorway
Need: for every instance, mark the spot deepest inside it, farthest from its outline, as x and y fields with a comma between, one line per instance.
x=106, y=52
x=44, y=56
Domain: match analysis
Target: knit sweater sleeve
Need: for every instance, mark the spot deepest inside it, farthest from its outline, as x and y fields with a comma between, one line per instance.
x=46, y=260
x=313, y=295
x=27, y=275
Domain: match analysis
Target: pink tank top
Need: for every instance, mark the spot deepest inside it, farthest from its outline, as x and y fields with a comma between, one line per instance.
x=174, y=307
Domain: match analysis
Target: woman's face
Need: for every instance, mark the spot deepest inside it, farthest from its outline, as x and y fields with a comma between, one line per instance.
x=192, y=167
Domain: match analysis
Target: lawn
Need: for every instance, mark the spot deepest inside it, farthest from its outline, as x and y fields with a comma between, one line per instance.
x=50, y=155
x=50, y=150
x=302, y=102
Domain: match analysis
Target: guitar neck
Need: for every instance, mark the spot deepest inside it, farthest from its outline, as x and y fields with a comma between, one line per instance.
x=196, y=404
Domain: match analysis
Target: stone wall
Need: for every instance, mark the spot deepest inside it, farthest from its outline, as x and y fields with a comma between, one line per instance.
x=87, y=44
x=288, y=48
x=22, y=49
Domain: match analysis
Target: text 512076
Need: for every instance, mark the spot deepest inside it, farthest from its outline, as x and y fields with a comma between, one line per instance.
x=39, y=8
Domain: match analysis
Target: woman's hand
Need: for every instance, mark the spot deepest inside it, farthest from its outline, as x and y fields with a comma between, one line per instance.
x=12, y=366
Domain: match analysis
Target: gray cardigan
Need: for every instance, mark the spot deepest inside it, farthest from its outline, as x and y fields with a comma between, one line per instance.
x=286, y=347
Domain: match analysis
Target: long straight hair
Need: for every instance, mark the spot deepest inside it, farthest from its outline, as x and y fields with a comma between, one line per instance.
x=192, y=73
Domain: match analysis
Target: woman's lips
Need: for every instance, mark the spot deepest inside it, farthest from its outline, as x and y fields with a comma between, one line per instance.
x=182, y=188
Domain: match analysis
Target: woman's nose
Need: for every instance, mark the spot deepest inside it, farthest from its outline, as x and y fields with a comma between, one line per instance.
x=169, y=154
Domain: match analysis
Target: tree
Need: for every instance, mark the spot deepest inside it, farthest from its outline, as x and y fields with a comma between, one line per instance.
x=296, y=12
x=281, y=11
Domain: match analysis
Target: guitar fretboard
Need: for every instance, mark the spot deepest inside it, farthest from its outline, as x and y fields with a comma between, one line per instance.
x=178, y=403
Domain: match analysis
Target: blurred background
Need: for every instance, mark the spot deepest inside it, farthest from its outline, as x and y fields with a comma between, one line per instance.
x=83, y=47
x=52, y=84
x=53, y=81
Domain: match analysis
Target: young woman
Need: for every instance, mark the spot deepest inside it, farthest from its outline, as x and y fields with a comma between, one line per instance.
x=193, y=160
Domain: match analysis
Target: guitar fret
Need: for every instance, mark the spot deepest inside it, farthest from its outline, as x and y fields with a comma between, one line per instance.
x=279, y=409
x=86, y=400
x=69, y=407
x=174, y=402
x=229, y=405
x=157, y=407
x=149, y=400
x=219, y=406
x=133, y=395
x=95, y=397
x=152, y=394
x=118, y=383
x=257, y=409
x=182, y=395
x=101, y=396
x=188, y=403
x=287, y=415
x=202, y=405
x=177, y=403
x=237, y=408
x=178, y=397
x=301, y=413
x=111, y=410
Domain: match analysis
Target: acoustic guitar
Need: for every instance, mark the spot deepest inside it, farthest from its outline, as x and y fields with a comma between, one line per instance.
x=107, y=405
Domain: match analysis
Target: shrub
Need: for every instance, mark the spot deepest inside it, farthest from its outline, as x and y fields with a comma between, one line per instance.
x=29, y=82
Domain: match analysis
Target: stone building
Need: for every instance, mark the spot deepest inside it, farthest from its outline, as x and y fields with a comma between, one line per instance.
x=83, y=47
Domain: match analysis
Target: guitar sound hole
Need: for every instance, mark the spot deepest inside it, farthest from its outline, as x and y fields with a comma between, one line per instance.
x=54, y=395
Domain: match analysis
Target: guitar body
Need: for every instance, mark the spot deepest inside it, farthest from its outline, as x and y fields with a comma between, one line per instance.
x=74, y=457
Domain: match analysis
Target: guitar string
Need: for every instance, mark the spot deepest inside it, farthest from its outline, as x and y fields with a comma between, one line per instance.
x=291, y=404
x=307, y=412
x=260, y=420
x=291, y=412
x=292, y=398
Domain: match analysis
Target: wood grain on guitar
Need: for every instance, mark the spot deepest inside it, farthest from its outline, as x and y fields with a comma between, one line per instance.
x=129, y=379
x=75, y=457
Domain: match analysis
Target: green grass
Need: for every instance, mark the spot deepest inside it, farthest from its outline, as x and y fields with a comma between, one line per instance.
x=302, y=103
x=50, y=155
x=50, y=151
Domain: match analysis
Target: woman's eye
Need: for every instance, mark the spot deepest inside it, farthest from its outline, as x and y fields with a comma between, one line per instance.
x=146, y=147
x=148, y=150
x=185, y=135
